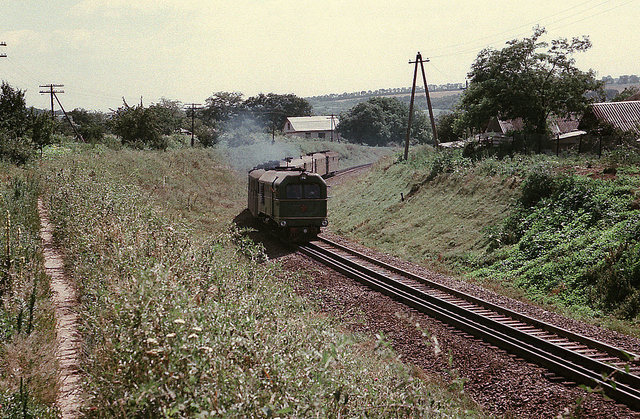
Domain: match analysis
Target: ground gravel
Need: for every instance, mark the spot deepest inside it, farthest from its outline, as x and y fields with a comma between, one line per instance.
x=503, y=384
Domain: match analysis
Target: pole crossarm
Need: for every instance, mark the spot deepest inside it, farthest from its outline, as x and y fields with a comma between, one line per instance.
x=53, y=89
x=2, y=54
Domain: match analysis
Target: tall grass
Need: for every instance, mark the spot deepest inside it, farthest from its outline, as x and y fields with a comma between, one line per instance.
x=184, y=322
x=27, y=336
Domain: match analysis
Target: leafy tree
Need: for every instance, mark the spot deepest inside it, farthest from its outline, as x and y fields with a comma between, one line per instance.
x=530, y=79
x=40, y=129
x=220, y=107
x=91, y=125
x=169, y=115
x=381, y=121
x=449, y=128
x=13, y=110
x=626, y=93
x=138, y=127
x=274, y=109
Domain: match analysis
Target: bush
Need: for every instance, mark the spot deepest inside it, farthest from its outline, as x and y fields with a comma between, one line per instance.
x=138, y=127
x=16, y=150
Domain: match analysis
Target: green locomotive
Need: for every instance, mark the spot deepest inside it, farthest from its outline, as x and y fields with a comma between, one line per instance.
x=290, y=200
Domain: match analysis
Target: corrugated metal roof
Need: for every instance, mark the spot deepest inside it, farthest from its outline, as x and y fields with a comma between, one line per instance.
x=558, y=126
x=622, y=115
x=312, y=123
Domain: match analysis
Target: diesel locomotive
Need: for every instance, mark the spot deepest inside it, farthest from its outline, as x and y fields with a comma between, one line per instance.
x=290, y=200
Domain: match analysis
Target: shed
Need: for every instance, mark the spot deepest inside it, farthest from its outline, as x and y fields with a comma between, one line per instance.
x=624, y=115
x=322, y=127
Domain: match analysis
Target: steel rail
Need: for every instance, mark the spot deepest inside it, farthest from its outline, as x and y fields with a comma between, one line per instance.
x=611, y=350
x=614, y=382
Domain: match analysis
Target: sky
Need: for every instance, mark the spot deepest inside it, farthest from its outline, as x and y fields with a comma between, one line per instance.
x=145, y=50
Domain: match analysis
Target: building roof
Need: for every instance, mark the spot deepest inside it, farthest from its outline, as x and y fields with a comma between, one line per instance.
x=621, y=115
x=557, y=125
x=312, y=123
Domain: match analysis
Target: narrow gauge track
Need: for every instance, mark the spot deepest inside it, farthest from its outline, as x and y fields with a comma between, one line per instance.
x=570, y=355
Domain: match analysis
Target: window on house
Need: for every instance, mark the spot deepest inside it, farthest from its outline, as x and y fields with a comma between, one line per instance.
x=321, y=135
x=307, y=135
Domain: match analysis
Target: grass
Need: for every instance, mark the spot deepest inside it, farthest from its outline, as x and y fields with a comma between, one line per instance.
x=183, y=315
x=27, y=328
x=442, y=222
x=566, y=240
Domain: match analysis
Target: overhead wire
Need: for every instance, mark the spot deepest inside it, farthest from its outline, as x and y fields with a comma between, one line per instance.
x=549, y=25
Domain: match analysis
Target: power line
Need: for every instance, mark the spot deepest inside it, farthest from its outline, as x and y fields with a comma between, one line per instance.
x=496, y=40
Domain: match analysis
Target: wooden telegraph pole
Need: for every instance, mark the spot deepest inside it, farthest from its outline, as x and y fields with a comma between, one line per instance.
x=193, y=107
x=419, y=60
x=52, y=91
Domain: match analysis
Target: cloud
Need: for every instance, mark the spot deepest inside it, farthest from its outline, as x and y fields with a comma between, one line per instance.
x=25, y=38
x=74, y=38
x=119, y=8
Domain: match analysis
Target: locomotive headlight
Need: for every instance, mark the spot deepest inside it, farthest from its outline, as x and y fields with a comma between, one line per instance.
x=325, y=222
x=303, y=177
x=283, y=223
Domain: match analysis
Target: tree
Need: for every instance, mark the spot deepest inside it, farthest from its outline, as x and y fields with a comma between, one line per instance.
x=13, y=111
x=449, y=128
x=528, y=79
x=169, y=115
x=626, y=94
x=220, y=107
x=382, y=120
x=40, y=129
x=274, y=109
x=91, y=125
x=138, y=127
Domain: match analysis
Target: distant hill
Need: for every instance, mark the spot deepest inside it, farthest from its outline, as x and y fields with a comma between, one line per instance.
x=442, y=99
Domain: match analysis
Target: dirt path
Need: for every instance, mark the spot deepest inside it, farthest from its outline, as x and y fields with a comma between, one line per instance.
x=68, y=338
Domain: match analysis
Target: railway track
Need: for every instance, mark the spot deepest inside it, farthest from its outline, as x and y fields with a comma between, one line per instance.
x=350, y=169
x=574, y=358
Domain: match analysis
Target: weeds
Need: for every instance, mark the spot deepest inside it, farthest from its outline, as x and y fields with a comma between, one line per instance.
x=28, y=367
x=181, y=322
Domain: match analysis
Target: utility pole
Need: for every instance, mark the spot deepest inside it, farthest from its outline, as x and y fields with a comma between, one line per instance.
x=52, y=91
x=332, y=126
x=78, y=135
x=193, y=107
x=421, y=61
x=2, y=54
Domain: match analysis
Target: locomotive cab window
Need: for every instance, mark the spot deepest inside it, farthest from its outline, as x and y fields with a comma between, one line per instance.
x=300, y=191
x=294, y=191
x=311, y=191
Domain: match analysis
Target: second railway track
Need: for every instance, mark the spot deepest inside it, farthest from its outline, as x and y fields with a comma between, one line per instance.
x=570, y=355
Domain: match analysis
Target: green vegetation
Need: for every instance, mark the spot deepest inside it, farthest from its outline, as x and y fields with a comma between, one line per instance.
x=382, y=121
x=184, y=316
x=561, y=230
x=27, y=336
x=22, y=130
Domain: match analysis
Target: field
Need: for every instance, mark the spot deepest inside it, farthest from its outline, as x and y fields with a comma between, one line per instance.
x=181, y=314
x=442, y=101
